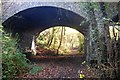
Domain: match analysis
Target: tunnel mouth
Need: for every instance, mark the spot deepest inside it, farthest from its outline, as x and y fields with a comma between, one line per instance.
x=30, y=21
x=37, y=17
x=59, y=42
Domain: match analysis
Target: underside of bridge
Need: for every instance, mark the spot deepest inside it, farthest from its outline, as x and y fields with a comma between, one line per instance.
x=32, y=21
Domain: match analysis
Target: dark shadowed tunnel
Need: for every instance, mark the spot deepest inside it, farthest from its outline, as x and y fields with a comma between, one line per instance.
x=32, y=21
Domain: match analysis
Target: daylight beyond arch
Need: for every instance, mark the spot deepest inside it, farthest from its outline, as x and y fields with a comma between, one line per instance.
x=66, y=40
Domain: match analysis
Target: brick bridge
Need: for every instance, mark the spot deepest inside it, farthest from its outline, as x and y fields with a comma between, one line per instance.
x=30, y=18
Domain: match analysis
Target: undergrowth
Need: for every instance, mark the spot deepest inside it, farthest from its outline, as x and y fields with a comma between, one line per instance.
x=14, y=62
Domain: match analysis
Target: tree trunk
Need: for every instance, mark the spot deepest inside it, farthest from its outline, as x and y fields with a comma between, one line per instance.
x=94, y=54
x=104, y=34
x=51, y=38
x=60, y=40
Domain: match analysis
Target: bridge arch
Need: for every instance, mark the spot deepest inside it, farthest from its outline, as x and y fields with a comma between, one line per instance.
x=31, y=21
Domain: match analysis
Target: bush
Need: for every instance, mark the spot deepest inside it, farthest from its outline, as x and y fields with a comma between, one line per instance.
x=13, y=61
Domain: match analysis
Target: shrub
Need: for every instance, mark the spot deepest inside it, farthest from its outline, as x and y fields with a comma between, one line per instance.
x=13, y=61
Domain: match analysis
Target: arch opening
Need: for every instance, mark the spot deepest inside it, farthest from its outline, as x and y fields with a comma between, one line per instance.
x=60, y=40
x=30, y=22
x=43, y=17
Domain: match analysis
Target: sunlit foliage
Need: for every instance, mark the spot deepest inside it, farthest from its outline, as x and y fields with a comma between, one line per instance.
x=113, y=31
x=71, y=38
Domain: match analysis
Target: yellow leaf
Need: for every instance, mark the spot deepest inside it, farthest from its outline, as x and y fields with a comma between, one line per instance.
x=82, y=75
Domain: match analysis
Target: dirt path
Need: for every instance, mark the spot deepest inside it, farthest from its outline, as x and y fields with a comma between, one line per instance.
x=65, y=67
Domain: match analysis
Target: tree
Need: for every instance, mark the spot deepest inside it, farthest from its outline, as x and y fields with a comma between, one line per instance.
x=109, y=47
x=93, y=34
x=104, y=34
x=60, y=39
x=50, y=39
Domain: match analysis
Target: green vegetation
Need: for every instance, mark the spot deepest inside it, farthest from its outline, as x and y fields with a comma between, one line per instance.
x=14, y=62
x=35, y=69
